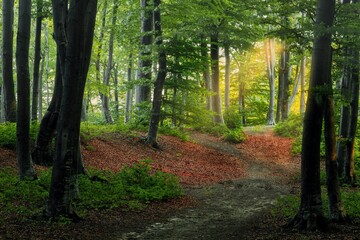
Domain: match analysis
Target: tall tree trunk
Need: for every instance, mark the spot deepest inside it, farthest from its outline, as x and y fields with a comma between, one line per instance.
x=37, y=59
x=7, y=60
x=336, y=209
x=143, y=90
x=40, y=97
x=302, y=84
x=160, y=79
x=42, y=154
x=216, y=102
x=105, y=102
x=270, y=63
x=80, y=30
x=349, y=112
x=129, y=92
x=26, y=169
x=349, y=164
x=206, y=71
x=310, y=215
x=227, y=76
x=2, y=107
x=285, y=82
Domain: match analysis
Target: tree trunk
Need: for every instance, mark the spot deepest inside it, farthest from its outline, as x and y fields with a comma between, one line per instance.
x=310, y=215
x=26, y=170
x=37, y=59
x=7, y=60
x=285, y=82
x=105, y=102
x=80, y=30
x=143, y=90
x=270, y=63
x=336, y=209
x=242, y=102
x=129, y=92
x=302, y=84
x=227, y=76
x=160, y=79
x=42, y=154
x=216, y=101
x=349, y=164
x=295, y=87
x=206, y=71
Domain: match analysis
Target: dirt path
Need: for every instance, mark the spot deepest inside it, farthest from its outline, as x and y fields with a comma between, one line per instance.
x=226, y=210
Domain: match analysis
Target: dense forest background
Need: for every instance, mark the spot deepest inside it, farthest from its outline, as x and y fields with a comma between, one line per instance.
x=170, y=65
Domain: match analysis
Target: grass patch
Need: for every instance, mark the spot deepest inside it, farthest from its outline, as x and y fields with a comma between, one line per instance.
x=135, y=186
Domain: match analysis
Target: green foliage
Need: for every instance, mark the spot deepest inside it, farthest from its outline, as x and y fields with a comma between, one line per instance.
x=292, y=127
x=214, y=129
x=22, y=198
x=286, y=206
x=173, y=131
x=134, y=186
x=142, y=184
x=235, y=135
x=90, y=130
x=233, y=117
x=8, y=134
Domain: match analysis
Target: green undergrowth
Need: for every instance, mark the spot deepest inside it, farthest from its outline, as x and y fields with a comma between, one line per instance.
x=133, y=187
x=8, y=134
x=288, y=206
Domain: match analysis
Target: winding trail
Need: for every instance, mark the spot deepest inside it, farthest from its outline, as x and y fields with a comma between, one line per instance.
x=226, y=210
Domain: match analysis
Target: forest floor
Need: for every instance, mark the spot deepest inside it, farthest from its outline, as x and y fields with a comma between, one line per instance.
x=230, y=191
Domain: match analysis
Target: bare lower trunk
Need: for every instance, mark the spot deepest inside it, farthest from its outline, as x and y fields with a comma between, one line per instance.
x=216, y=101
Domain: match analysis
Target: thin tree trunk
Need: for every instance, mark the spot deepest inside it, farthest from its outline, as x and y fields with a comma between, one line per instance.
x=295, y=90
x=143, y=90
x=302, y=85
x=7, y=60
x=26, y=170
x=129, y=92
x=37, y=59
x=349, y=164
x=227, y=76
x=160, y=79
x=109, y=67
x=216, y=102
x=206, y=71
x=336, y=209
x=270, y=62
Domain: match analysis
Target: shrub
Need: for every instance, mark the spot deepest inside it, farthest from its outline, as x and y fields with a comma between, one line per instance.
x=235, y=135
x=292, y=127
x=233, y=117
x=176, y=132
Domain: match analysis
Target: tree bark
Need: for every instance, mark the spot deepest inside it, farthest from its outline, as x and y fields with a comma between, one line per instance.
x=143, y=90
x=270, y=63
x=160, y=79
x=7, y=60
x=302, y=85
x=80, y=30
x=216, y=101
x=37, y=59
x=129, y=92
x=206, y=71
x=227, y=76
x=336, y=209
x=310, y=215
x=26, y=170
x=109, y=67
